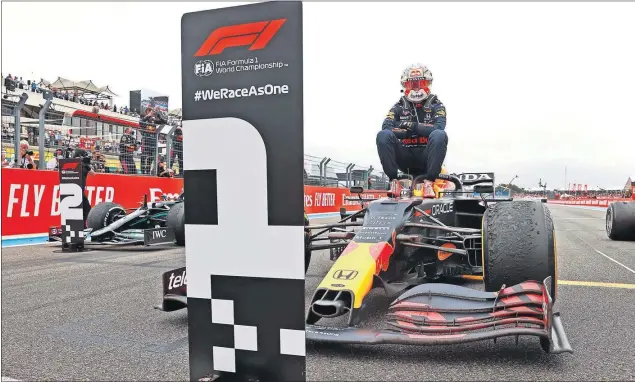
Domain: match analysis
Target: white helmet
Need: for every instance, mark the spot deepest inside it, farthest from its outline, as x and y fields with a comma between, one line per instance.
x=416, y=80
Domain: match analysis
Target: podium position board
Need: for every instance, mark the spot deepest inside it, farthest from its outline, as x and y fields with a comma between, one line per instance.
x=243, y=159
x=71, y=207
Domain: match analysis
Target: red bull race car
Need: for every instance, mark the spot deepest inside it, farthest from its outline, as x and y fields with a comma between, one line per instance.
x=418, y=249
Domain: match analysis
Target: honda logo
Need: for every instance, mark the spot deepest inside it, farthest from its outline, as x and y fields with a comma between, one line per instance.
x=344, y=275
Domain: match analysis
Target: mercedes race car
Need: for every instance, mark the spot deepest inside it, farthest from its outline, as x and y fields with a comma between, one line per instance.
x=153, y=223
x=413, y=248
x=620, y=221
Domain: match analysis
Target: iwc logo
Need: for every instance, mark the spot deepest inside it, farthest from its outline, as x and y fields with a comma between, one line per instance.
x=204, y=68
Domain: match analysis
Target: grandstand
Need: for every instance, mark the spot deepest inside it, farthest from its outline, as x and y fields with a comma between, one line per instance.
x=81, y=114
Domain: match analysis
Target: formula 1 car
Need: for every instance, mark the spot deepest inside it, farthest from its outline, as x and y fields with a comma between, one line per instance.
x=406, y=245
x=175, y=281
x=620, y=221
x=152, y=223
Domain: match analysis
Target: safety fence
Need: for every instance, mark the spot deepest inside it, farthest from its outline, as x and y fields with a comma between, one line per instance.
x=139, y=148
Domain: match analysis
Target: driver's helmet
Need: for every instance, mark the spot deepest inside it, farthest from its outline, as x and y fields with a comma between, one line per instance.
x=416, y=80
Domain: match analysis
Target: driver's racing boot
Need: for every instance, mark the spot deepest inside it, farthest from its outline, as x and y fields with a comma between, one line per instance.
x=394, y=187
x=428, y=190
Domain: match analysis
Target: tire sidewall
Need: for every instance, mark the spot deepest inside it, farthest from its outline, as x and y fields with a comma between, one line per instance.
x=610, y=218
x=175, y=219
x=492, y=268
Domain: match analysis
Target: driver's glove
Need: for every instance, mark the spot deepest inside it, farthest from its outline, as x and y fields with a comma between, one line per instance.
x=407, y=125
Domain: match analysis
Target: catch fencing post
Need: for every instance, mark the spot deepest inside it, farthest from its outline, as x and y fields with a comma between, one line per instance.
x=155, y=170
x=243, y=159
x=328, y=160
x=323, y=163
x=349, y=174
x=48, y=97
x=167, y=130
x=17, y=129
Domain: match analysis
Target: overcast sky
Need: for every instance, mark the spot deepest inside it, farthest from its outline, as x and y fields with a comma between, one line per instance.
x=529, y=87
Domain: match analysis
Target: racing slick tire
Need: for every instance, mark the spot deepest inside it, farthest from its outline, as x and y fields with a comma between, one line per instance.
x=176, y=220
x=620, y=221
x=102, y=215
x=519, y=244
x=307, y=244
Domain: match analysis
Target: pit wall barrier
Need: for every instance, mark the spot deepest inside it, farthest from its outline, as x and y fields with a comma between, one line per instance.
x=604, y=202
x=30, y=198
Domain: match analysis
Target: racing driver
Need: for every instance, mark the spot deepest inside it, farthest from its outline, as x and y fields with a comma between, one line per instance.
x=413, y=137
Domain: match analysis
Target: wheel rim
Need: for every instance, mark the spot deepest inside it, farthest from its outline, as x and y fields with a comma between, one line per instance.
x=609, y=221
x=117, y=214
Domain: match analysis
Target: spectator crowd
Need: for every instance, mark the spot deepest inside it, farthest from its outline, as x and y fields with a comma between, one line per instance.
x=13, y=83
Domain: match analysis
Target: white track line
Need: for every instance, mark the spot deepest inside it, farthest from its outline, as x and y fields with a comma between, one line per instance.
x=603, y=254
x=580, y=218
x=615, y=261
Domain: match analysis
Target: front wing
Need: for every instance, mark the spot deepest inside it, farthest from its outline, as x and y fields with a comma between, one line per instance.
x=174, y=290
x=443, y=314
x=145, y=237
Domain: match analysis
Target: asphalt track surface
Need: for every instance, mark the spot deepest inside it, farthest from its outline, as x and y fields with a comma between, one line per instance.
x=90, y=316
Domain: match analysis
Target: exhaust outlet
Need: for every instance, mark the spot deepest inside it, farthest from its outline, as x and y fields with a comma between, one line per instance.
x=329, y=304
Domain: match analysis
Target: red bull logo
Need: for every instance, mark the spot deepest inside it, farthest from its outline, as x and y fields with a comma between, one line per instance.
x=415, y=141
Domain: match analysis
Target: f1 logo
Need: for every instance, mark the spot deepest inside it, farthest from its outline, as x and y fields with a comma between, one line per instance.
x=344, y=275
x=255, y=35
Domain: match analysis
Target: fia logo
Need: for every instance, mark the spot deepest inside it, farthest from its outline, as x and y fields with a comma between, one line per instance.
x=204, y=68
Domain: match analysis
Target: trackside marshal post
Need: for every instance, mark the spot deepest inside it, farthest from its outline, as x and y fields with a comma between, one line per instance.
x=243, y=159
x=71, y=211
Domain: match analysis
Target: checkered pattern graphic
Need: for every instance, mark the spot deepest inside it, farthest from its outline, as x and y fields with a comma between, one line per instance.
x=73, y=231
x=70, y=233
x=245, y=337
x=251, y=328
